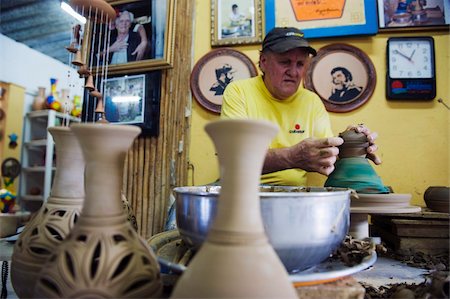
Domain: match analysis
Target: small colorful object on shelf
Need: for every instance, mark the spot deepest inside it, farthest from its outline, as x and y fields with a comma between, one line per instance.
x=10, y=170
x=77, y=106
x=52, y=100
x=7, y=196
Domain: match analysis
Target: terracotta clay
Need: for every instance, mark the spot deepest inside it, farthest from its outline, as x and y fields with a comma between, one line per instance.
x=236, y=260
x=355, y=144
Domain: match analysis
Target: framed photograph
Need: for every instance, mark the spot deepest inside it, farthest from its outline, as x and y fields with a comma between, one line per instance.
x=237, y=22
x=214, y=71
x=324, y=18
x=421, y=14
x=129, y=100
x=140, y=39
x=351, y=77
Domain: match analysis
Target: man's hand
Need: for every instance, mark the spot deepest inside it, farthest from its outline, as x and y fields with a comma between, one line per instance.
x=311, y=154
x=317, y=155
x=371, y=137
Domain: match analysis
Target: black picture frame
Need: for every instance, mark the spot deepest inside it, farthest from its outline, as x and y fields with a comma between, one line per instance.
x=147, y=112
x=411, y=88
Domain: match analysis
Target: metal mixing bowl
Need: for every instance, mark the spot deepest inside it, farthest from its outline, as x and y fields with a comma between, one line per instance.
x=304, y=225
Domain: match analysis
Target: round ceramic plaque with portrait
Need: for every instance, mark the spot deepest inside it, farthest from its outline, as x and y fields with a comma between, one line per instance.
x=214, y=71
x=343, y=76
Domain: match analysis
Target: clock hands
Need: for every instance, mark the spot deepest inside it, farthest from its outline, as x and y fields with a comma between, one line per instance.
x=412, y=54
x=403, y=55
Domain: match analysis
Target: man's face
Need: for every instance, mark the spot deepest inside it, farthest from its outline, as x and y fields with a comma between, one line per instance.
x=339, y=79
x=283, y=71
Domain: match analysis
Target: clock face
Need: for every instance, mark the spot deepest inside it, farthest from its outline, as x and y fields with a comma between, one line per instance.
x=411, y=58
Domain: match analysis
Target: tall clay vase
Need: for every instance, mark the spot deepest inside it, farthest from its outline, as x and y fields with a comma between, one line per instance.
x=53, y=222
x=103, y=257
x=237, y=260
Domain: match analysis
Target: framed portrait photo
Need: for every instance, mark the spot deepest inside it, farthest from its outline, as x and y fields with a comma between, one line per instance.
x=418, y=15
x=236, y=22
x=139, y=39
x=214, y=71
x=342, y=75
x=324, y=18
x=129, y=100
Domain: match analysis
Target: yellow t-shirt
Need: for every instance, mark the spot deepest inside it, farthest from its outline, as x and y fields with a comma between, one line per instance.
x=301, y=116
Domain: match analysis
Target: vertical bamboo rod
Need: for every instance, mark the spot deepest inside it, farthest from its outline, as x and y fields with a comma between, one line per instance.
x=147, y=181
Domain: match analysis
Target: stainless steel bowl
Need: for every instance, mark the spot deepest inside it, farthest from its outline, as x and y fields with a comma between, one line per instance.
x=304, y=225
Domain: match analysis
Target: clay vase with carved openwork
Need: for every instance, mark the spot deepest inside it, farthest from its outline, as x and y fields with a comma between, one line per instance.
x=103, y=256
x=55, y=219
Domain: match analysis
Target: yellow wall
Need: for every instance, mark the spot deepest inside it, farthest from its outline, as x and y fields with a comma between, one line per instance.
x=413, y=136
x=14, y=102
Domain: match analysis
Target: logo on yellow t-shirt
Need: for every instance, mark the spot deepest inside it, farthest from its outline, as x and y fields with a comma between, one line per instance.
x=297, y=130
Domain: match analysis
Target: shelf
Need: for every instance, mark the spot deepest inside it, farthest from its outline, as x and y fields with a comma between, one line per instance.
x=38, y=153
x=37, y=169
x=32, y=197
x=45, y=113
x=36, y=143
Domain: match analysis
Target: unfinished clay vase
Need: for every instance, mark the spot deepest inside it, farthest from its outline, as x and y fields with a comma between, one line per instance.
x=53, y=222
x=355, y=144
x=353, y=170
x=103, y=257
x=237, y=260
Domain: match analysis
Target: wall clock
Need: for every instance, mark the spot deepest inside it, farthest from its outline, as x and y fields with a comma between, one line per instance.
x=410, y=68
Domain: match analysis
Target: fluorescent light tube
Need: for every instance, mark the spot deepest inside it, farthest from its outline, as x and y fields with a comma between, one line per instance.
x=67, y=8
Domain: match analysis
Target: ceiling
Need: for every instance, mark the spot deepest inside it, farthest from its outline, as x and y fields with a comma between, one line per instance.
x=40, y=24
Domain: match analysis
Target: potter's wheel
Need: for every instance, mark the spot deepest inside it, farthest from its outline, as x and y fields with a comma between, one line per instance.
x=173, y=255
x=365, y=204
x=383, y=203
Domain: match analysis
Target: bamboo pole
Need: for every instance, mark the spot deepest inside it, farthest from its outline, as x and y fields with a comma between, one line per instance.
x=151, y=160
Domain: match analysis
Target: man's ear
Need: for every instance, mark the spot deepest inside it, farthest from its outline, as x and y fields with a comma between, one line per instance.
x=262, y=62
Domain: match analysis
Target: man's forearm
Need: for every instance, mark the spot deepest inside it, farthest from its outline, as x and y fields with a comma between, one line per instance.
x=276, y=160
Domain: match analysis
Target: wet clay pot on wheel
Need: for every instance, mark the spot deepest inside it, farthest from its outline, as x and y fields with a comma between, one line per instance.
x=55, y=219
x=353, y=170
x=103, y=257
x=355, y=144
x=237, y=260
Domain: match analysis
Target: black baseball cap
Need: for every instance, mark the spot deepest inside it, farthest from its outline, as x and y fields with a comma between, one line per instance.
x=283, y=39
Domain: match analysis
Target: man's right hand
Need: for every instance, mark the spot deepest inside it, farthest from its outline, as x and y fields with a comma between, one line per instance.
x=315, y=155
x=311, y=154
